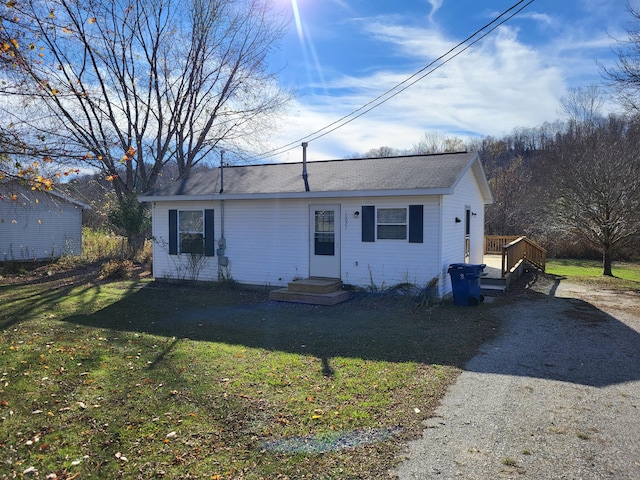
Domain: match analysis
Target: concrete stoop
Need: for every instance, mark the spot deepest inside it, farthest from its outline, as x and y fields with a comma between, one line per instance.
x=314, y=290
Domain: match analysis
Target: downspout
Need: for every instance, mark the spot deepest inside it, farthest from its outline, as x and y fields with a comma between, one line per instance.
x=221, y=201
x=305, y=176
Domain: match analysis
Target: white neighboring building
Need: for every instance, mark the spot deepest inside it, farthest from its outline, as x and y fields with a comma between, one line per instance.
x=369, y=222
x=38, y=225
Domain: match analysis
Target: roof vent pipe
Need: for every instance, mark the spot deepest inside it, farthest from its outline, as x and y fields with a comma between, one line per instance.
x=305, y=176
x=221, y=171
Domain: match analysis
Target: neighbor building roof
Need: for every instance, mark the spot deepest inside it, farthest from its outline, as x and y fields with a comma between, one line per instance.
x=402, y=175
x=12, y=186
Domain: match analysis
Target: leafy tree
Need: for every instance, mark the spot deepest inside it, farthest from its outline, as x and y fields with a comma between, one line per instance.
x=594, y=172
x=131, y=217
x=127, y=87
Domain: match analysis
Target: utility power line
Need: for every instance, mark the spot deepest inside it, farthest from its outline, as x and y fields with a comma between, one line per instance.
x=408, y=82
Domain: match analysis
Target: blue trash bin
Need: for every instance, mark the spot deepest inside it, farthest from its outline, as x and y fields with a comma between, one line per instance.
x=465, y=283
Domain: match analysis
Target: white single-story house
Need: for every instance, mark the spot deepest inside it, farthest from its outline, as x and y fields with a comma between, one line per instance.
x=373, y=222
x=38, y=224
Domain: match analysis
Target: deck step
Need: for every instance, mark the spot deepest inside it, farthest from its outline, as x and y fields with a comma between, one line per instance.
x=313, y=290
x=493, y=281
x=315, y=285
x=329, y=298
x=488, y=289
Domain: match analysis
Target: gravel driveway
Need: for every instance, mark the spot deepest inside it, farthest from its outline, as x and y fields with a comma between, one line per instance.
x=556, y=396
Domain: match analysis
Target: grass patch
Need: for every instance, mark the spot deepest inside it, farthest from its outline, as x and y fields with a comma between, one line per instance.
x=626, y=275
x=136, y=379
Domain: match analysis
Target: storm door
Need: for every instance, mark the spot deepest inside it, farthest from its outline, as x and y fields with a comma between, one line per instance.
x=324, y=241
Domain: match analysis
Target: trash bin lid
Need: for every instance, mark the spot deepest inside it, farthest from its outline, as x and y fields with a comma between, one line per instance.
x=470, y=266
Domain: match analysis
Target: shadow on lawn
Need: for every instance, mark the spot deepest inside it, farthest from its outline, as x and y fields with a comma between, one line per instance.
x=34, y=299
x=563, y=339
x=381, y=328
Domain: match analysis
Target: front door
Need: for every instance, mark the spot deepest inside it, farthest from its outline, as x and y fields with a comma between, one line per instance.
x=324, y=241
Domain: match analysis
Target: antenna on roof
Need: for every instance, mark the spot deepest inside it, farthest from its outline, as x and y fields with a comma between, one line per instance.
x=221, y=171
x=305, y=176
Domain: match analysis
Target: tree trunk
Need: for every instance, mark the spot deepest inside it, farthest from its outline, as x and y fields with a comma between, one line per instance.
x=135, y=243
x=606, y=262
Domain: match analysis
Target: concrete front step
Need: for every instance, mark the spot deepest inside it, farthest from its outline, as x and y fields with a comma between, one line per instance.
x=329, y=298
x=315, y=285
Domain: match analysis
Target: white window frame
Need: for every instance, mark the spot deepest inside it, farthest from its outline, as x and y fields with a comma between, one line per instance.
x=192, y=232
x=380, y=211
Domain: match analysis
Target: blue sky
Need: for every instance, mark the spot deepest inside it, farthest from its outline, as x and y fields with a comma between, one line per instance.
x=340, y=54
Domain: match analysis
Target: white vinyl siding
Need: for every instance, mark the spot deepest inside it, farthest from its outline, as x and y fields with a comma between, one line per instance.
x=267, y=241
x=37, y=225
x=453, y=233
x=383, y=263
x=389, y=229
x=181, y=267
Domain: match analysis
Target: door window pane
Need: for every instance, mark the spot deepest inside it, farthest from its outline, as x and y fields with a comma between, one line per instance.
x=324, y=235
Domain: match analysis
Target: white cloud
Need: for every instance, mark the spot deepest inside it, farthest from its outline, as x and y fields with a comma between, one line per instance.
x=497, y=85
x=435, y=6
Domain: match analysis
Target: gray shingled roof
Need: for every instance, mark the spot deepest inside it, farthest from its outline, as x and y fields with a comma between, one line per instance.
x=10, y=185
x=437, y=173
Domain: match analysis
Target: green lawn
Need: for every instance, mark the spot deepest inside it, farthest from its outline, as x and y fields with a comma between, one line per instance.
x=135, y=379
x=626, y=275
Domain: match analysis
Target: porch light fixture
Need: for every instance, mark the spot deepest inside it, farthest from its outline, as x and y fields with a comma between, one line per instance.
x=356, y=214
x=458, y=220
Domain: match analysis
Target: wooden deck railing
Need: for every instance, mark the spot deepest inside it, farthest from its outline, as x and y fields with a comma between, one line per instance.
x=515, y=249
x=493, y=243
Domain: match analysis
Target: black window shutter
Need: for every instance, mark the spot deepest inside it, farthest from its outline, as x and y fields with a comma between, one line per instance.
x=369, y=224
x=415, y=224
x=173, y=232
x=209, y=243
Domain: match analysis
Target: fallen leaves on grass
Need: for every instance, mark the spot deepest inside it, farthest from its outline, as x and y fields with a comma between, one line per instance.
x=134, y=393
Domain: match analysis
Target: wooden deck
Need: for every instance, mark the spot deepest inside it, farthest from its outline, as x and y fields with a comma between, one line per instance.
x=493, y=267
x=492, y=280
x=505, y=257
